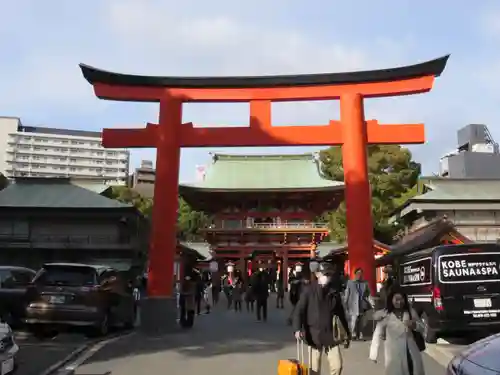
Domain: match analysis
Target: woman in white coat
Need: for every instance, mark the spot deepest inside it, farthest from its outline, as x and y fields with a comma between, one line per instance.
x=398, y=325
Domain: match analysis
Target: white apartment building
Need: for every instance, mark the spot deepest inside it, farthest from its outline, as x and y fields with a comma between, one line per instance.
x=31, y=151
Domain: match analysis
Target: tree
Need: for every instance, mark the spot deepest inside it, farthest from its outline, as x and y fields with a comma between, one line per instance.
x=392, y=174
x=125, y=194
x=189, y=221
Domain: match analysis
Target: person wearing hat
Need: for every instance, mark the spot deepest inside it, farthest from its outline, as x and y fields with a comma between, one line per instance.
x=319, y=319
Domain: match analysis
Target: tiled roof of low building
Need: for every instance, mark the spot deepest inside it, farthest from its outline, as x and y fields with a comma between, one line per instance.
x=54, y=193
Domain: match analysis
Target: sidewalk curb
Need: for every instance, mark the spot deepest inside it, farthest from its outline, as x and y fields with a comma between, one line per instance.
x=75, y=353
x=56, y=367
x=69, y=367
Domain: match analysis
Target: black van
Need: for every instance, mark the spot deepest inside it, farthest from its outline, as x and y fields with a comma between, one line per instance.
x=455, y=288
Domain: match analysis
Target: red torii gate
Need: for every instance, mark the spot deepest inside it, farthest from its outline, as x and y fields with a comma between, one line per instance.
x=352, y=132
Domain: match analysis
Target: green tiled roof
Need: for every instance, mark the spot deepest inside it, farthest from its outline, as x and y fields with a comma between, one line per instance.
x=460, y=189
x=96, y=188
x=53, y=193
x=264, y=172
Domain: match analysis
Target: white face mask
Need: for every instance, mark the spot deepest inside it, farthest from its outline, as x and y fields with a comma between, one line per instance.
x=323, y=279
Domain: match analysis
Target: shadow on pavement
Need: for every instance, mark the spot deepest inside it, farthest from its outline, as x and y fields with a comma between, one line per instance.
x=222, y=332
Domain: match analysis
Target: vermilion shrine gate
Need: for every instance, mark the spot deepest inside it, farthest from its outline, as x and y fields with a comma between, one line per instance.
x=352, y=132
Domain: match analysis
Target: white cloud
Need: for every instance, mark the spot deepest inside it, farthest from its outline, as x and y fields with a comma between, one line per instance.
x=220, y=37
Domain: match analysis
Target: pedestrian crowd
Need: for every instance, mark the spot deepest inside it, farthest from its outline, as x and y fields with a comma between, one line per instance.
x=328, y=312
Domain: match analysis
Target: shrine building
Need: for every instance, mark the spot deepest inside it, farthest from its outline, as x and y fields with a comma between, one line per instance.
x=263, y=209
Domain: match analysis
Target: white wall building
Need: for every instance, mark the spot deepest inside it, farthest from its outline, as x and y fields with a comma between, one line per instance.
x=29, y=151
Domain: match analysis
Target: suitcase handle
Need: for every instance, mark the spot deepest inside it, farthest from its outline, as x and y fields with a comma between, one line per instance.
x=300, y=353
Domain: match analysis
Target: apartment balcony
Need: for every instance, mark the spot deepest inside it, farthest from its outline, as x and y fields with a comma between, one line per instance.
x=269, y=227
x=95, y=242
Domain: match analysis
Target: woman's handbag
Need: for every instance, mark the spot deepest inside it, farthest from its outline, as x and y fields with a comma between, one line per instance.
x=419, y=340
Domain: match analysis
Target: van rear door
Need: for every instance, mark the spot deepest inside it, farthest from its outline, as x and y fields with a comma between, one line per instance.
x=469, y=283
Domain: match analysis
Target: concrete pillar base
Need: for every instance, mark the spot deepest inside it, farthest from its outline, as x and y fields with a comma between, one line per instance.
x=159, y=315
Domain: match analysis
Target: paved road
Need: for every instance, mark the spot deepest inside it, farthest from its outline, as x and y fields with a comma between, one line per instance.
x=220, y=343
x=35, y=355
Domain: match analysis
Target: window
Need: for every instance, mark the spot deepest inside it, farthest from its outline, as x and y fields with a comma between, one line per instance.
x=11, y=278
x=66, y=275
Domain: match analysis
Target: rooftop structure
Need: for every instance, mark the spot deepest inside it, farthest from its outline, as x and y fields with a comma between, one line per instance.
x=143, y=179
x=29, y=151
x=472, y=205
x=477, y=155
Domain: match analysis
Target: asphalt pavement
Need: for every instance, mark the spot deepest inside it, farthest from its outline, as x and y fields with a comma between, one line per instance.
x=35, y=356
x=221, y=342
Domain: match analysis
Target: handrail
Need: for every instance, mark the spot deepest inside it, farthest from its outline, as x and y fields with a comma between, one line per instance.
x=271, y=226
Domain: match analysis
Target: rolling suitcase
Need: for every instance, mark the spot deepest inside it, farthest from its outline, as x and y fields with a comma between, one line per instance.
x=294, y=366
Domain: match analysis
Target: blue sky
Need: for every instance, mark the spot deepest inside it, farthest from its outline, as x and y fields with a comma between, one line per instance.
x=43, y=41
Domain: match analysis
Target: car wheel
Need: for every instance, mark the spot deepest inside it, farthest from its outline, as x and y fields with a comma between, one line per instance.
x=430, y=335
x=101, y=329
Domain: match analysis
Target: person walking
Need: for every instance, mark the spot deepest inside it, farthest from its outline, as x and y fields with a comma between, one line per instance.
x=187, y=302
x=356, y=299
x=208, y=296
x=237, y=294
x=249, y=296
x=387, y=285
x=399, y=327
x=200, y=290
x=260, y=290
x=280, y=294
x=297, y=284
x=228, y=291
x=319, y=319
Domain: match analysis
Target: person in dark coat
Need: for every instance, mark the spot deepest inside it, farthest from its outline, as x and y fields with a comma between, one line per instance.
x=280, y=294
x=187, y=302
x=319, y=319
x=200, y=290
x=260, y=290
x=388, y=285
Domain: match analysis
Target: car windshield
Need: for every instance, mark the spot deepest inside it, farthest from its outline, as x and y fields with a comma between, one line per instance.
x=66, y=275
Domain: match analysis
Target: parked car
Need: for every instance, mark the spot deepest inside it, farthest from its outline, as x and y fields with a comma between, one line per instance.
x=8, y=349
x=91, y=297
x=480, y=358
x=13, y=284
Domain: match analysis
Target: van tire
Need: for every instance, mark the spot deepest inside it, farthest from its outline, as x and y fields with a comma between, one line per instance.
x=430, y=335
